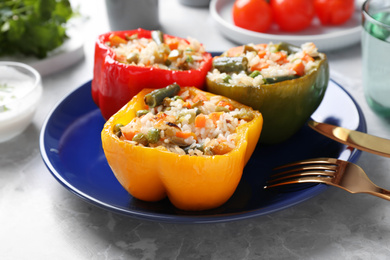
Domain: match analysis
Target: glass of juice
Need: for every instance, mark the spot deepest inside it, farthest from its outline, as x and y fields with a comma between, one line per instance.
x=376, y=55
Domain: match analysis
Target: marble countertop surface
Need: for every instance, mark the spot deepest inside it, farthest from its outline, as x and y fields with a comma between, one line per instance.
x=40, y=219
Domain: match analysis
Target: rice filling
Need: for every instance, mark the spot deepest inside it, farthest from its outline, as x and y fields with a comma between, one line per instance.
x=188, y=123
x=265, y=62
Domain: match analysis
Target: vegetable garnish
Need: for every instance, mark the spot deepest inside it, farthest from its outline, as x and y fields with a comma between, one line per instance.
x=5, y=88
x=33, y=28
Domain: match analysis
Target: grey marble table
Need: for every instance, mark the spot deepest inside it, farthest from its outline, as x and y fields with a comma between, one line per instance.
x=40, y=219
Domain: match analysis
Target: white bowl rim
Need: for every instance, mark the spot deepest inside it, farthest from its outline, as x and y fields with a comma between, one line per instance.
x=37, y=76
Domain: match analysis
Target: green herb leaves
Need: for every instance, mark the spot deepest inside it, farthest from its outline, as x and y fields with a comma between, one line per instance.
x=33, y=27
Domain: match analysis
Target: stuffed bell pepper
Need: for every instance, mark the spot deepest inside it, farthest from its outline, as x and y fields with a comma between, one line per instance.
x=128, y=61
x=285, y=83
x=182, y=143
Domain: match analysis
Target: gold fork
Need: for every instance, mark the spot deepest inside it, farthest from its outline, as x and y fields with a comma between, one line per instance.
x=335, y=172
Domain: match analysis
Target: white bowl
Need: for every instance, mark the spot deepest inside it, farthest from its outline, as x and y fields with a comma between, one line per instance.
x=20, y=93
x=195, y=3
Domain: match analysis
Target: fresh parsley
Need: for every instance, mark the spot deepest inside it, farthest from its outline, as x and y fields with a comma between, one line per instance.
x=6, y=88
x=33, y=27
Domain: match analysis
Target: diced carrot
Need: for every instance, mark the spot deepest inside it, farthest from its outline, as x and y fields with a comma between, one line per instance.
x=187, y=105
x=115, y=40
x=261, y=46
x=235, y=51
x=299, y=68
x=172, y=43
x=215, y=116
x=200, y=121
x=221, y=148
x=121, y=58
x=185, y=135
x=307, y=58
x=199, y=96
x=223, y=103
x=261, y=54
x=129, y=134
x=259, y=66
x=280, y=57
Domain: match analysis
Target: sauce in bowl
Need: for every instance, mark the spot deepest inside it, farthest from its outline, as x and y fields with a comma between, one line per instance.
x=20, y=92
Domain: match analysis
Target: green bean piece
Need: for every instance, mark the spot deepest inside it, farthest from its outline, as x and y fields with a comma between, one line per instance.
x=141, y=112
x=156, y=97
x=227, y=78
x=141, y=139
x=177, y=98
x=132, y=57
x=279, y=79
x=196, y=146
x=197, y=111
x=189, y=59
x=153, y=135
x=254, y=74
x=158, y=37
x=186, y=115
x=117, y=130
x=231, y=64
x=248, y=48
x=287, y=47
x=197, y=104
x=221, y=109
x=245, y=115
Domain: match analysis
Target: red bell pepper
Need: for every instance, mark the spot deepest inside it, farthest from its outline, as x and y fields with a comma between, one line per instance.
x=115, y=83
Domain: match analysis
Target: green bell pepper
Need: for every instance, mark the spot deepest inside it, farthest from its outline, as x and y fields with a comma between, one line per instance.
x=285, y=103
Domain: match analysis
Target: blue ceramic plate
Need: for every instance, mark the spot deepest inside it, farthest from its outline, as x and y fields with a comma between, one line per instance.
x=71, y=148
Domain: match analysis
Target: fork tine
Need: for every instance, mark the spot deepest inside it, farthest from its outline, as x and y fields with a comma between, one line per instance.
x=342, y=174
x=325, y=161
x=319, y=169
x=309, y=179
x=299, y=173
x=311, y=170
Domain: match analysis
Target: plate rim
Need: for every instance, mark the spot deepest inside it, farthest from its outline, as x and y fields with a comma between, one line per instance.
x=195, y=219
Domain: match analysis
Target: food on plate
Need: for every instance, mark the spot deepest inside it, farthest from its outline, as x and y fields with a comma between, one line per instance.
x=334, y=12
x=284, y=82
x=128, y=61
x=289, y=15
x=182, y=143
x=254, y=15
x=292, y=15
x=33, y=28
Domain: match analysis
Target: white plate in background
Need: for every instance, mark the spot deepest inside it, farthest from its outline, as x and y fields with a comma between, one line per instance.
x=326, y=38
x=58, y=59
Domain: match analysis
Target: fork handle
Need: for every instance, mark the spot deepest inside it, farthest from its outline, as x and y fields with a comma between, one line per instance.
x=381, y=193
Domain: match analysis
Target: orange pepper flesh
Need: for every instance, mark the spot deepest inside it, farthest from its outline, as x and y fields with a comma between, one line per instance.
x=190, y=182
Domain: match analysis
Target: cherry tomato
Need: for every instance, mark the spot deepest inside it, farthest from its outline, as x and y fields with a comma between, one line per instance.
x=334, y=12
x=292, y=15
x=254, y=15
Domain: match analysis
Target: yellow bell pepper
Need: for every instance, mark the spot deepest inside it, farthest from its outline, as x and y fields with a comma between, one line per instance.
x=190, y=182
